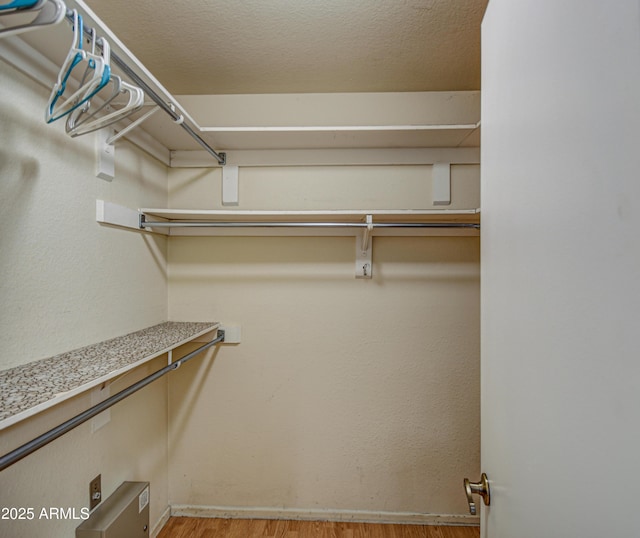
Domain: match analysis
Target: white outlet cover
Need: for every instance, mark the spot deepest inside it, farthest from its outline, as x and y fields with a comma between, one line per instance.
x=232, y=334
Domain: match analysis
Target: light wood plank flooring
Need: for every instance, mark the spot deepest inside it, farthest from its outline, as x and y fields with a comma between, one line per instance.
x=186, y=527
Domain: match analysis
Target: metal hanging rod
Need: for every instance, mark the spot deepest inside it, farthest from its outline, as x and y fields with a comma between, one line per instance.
x=28, y=448
x=204, y=224
x=167, y=107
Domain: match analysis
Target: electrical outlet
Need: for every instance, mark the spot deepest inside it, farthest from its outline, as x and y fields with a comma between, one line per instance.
x=95, y=492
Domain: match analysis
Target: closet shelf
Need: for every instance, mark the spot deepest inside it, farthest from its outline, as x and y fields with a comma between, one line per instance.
x=362, y=224
x=311, y=222
x=350, y=215
x=31, y=388
x=345, y=137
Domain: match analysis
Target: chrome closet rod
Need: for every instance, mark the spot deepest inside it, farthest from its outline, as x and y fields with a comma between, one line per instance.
x=21, y=452
x=205, y=224
x=220, y=157
x=177, y=118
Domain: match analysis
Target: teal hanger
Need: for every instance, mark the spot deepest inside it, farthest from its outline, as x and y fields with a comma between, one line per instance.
x=20, y=4
x=49, y=12
x=96, y=63
x=124, y=100
x=74, y=57
x=95, y=77
x=86, y=119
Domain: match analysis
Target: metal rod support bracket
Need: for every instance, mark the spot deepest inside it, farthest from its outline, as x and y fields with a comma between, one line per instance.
x=364, y=247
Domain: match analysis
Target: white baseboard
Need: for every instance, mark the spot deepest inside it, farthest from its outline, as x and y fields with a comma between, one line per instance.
x=362, y=516
x=161, y=523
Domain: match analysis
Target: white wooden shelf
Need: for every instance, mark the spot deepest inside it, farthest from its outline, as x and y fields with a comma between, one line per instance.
x=363, y=224
x=230, y=216
x=386, y=121
x=331, y=222
x=370, y=136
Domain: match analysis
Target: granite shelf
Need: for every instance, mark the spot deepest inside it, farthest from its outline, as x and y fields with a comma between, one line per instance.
x=31, y=388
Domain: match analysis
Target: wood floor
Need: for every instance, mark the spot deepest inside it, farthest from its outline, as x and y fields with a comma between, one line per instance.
x=186, y=527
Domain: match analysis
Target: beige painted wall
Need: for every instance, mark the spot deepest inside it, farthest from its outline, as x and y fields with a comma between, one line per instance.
x=346, y=398
x=68, y=282
x=324, y=187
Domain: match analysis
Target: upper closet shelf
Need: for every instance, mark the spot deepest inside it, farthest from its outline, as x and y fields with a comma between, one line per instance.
x=339, y=121
x=323, y=137
x=199, y=130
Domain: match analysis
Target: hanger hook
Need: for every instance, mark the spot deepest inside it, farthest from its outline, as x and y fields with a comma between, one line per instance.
x=77, y=29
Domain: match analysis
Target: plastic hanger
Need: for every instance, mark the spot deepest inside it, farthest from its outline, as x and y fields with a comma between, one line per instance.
x=98, y=69
x=20, y=5
x=96, y=75
x=134, y=103
x=49, y=12
x=84, y=113
x=74, y=57
x=83, y=120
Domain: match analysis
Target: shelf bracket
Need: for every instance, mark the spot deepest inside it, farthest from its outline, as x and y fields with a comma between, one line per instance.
x=364, y=246
x=105, y=155
x=230, y=190
x=441, y=184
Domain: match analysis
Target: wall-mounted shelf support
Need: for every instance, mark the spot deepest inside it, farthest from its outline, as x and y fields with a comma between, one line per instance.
x=364, y=265
x=230, y=186
x=105, y=155
x=441, y=184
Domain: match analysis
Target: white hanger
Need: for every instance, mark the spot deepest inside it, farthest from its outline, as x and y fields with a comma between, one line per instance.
x=135, y=103
x=84, y=113
x=82, y=120
x=95, y=77
x=20, y=5
x=49, y=12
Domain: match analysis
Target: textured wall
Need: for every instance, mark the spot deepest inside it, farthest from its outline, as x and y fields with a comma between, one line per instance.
x=67, y=282
x=64, y=277
x=345, y=396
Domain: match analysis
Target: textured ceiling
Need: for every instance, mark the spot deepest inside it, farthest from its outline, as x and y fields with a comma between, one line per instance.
x=302, y=46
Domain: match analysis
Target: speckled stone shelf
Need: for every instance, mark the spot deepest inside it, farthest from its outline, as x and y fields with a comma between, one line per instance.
x=28, y=389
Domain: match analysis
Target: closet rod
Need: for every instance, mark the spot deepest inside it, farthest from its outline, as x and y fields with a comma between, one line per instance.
x=177, y=118
x=21, y=452
x=204, y=224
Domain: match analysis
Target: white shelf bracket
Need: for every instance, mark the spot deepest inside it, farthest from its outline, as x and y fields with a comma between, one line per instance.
x=442, y=184
x=364, y=246
x=366, y=236
x=105, y=155
x=230, y=188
